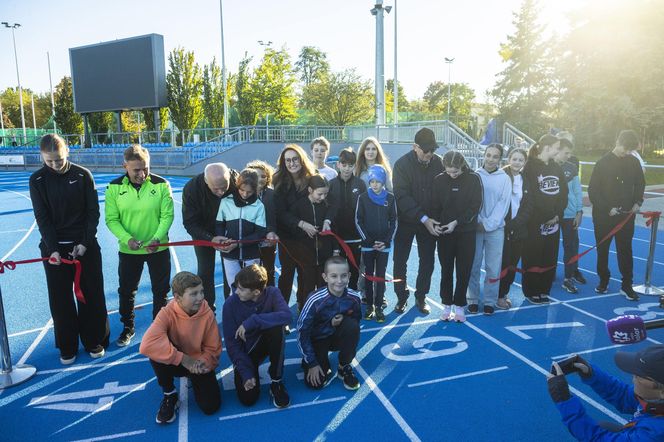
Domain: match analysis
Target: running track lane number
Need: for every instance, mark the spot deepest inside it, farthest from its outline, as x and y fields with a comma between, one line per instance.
x=422, y=351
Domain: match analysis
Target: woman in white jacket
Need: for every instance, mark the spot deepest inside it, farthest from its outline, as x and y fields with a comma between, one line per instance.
x=496, y=193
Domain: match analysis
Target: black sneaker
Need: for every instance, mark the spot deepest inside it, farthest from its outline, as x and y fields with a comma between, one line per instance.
x=535, y=299
x=602, y=289
x=401, y=306
x=544, y=299
x=629, y=293
x=348, y=377
x=384, y=303
x=422, y=306
x=380, y=316
x=369, y=313
x=364, y=300
x=168, y=408
x=568, y=285
x=473, y=308
x=488, y=310
x=97, y=352
x=125, y=337
x=578, y=277
x=280, y=397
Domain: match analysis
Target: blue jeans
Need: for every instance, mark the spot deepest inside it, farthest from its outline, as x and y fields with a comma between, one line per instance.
x=488, y=245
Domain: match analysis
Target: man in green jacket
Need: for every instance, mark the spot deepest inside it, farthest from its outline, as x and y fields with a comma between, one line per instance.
x=139, y=212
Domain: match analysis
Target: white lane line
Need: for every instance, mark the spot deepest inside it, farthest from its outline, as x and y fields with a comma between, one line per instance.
x=533, y=365
x=112, y=436
x=585, y=352
x=13, y=231
x=615, y=253
x=637, y=239
x=183, y=419
x=36, y=342
x=21, y=241
x=272, y=410
x=459, y=376
x=176, y=261
x=87, y=366
x=387, y=404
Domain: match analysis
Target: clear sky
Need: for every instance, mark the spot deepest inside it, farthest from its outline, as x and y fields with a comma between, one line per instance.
x=429, y=30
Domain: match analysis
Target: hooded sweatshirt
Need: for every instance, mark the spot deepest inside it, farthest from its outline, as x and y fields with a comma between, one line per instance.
x=174, y=333
x=496, y=198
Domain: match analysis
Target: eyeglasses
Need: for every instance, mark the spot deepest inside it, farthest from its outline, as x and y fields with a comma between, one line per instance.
x=294, y=160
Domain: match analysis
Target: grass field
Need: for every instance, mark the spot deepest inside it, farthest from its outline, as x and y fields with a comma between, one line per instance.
x=653, y=176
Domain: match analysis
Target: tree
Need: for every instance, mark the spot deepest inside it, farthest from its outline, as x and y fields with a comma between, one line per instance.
x=311, y=64
x=6, y=121
x=273, y=86
x=244, y=99
x=340, y=99
x=461, y=99
x=68, y=121
x=523, y=92
x=100, y=122
x=184, y=86
x=389, y=96
x=148, y=117
x=213, y=95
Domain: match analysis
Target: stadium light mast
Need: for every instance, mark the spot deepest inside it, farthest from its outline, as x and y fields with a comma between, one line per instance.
x=395, y=87
x=449, y=62
x=223, y=68
x=380, y=61
x=18, y=77
x=50, y=83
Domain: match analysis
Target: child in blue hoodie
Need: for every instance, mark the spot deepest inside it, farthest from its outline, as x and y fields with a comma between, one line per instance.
x=254, y=317
x=376, y=220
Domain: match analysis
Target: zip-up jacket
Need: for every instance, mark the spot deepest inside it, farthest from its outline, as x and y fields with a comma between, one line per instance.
x=458, y=199
x=413, y=187
x=267, y=197
x=315, y=321
x=174, y=333
x=616, y=182
x=548, y=187
x=517, y=228
x=242, y=220
x=343, y=200
x=268, y=311
x=643, y=427
x=66, y=206
x=496, y=198
x=312, y=251
x=200, y=206
x=374, y=222
x=284, y=199
x=144, y=214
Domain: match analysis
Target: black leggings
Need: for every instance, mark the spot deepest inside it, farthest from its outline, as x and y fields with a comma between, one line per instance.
x=455, y=250
x=206, y=388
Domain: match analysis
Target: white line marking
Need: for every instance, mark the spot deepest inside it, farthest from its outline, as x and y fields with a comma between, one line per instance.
x=13, y=231
x=183, y=419
x=517, y=329
x=272, y=410
x=36, y=342
x=459, y=376
x=635, y=257
x=176, y=261
x=21, y=241
x=112, y=436
x=531, y=364
x=585, y=352
x=87, y=366
x=637, y=239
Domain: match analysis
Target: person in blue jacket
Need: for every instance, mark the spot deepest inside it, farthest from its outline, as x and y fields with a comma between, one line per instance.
x=330, y=321
x=254, y=317
x=645, y=398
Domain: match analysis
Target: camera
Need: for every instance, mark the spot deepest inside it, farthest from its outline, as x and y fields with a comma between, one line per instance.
x=566, y=365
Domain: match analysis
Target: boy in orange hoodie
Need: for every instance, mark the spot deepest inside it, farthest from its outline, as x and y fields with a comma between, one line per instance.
x=184, y=340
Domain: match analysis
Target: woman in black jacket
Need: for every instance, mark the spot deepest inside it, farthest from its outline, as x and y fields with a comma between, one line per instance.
x=546, y=182
x=456, y=203
x=516, y=224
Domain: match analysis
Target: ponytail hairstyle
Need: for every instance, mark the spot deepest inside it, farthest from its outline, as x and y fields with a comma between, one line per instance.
x=544, y=141
x=455, y=159
x=317, y=181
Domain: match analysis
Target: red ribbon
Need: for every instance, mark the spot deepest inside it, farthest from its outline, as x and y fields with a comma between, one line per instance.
x=11, y=265
x=650, y=216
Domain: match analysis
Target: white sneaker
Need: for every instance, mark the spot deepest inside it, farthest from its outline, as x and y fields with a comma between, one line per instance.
x=459, y=314
x=447, y=313
x=67, y=360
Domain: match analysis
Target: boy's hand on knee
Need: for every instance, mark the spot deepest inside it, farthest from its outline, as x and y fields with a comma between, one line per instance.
x=239, y=333
x=315, y=376
x=337, y=319
x=251, y=383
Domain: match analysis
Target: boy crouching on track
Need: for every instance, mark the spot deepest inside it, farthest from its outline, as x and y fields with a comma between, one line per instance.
x=330, y=321
x=184, y=340
x=254, y=317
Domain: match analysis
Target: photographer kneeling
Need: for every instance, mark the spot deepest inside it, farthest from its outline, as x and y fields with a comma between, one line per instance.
x=645, y=398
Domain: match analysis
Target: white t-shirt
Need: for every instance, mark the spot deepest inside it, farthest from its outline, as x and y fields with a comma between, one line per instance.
x=328, y=172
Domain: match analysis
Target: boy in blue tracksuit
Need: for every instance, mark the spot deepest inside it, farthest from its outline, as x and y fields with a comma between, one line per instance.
x=376, y=220
x=330, y=321
x=253, y=321
x=241, y=217
x=644, y=399
x=572, y=216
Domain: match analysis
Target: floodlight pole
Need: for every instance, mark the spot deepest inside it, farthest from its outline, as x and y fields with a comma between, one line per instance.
x=395, y=85
x=34, y=119
x=18, y=77
x=380, y=61
x=449, y=62
x=50, y=83
x=223, y=68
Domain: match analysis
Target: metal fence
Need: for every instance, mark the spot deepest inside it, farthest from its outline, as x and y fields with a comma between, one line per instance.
x=513, y=137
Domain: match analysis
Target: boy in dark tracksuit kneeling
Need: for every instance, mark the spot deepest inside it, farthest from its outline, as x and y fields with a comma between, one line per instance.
x=330, y=321
x=254, y=317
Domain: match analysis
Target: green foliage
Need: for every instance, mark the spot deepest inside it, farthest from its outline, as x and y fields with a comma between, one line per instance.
x=68, y=121
x=340, y=99
x=100, y=123
x=389, y=96
x=312, y=65
x=184, y=85
x=148, y=117
x=244, y=99
x=213, y=95
x=12, y=109
x=272, y=86
x=524, y=90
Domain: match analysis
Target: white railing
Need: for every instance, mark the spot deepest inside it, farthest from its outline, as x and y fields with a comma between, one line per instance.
x=510, y=135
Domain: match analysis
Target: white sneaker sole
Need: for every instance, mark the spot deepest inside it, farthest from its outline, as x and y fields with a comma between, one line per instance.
x=175, y=415
x=69, y=361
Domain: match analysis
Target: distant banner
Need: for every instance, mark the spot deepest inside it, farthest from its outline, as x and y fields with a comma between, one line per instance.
x=11, y=160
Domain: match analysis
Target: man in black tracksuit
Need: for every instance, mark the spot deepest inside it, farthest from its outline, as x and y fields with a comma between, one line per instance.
x=413, y=188
x=201, y=197
x=616, y=190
